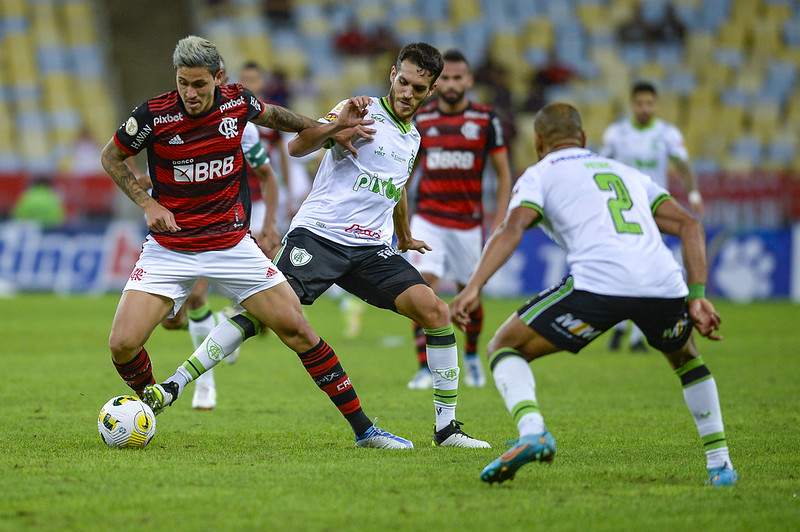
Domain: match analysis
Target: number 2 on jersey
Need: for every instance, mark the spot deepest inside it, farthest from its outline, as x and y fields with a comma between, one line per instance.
x=619, y=204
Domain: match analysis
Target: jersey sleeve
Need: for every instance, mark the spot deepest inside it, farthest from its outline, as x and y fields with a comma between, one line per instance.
x=656, y=194
x=494, y=138
x=675, y=146
x=254, y=152
x=527, y=192
x=333, y=114
x=255, y=107
x=137, y=132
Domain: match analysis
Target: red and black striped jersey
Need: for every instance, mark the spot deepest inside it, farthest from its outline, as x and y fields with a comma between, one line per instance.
x=452, y=156
x=196, y=165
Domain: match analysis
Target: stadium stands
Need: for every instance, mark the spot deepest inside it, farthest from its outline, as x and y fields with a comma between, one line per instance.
x=727, y=74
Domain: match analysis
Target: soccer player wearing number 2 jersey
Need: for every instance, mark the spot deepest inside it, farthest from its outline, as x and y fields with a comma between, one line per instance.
x=609, y=218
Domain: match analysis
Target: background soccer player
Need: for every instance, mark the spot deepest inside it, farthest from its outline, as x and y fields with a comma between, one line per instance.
x=649, y=144
x=457, y=137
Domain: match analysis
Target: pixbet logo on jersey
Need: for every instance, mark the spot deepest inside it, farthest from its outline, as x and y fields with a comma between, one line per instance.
x=198, y=172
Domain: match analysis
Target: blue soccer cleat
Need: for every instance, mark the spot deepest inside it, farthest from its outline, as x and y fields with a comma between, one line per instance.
x=530, y=448
x=722, y=476
x=382, y=439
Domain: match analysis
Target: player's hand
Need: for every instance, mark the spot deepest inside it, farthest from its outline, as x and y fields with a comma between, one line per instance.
x=346, y=137
x=705, y=318
x=412, y=244
x=159, y=219
x=354, y=111
x=463, y=305
x=269, y=240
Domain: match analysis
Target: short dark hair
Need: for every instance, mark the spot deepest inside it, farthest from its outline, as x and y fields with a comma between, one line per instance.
x=455, y=56
x=251, y=64
x=424, y=56
x=643, y=86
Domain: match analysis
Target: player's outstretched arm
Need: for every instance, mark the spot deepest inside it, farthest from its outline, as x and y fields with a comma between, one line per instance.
x=498, y=249
x=159, y=219
x=352, y=116
x=675, y=220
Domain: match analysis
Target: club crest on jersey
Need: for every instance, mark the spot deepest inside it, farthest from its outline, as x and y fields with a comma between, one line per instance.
x=300, y=257
x=471, y=130
x=228, y=127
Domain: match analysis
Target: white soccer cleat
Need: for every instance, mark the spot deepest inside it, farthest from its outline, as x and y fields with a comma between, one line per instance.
x=423, y=380
x=453, y=436
x=473, y=374
x=205, y=397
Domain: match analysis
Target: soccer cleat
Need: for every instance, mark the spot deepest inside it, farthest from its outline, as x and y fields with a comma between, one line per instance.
x=381, y=439
x=530, y=448
x=473, y=376
x=224, y=315
x=616, y=340
x=722, y=476
x=160, y=396
x=205, y=397
x=423, y=380
x=453, y=436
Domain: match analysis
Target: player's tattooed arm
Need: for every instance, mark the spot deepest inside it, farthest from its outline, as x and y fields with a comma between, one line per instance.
x=113, y=160
x=277, y=117
x=159, y=219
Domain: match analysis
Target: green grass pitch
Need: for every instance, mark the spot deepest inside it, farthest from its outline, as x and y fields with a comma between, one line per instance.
x=276, y=455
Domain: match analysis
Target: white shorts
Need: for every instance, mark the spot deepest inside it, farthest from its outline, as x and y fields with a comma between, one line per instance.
x=257, y=212
x=236, y=273
x=455, y=252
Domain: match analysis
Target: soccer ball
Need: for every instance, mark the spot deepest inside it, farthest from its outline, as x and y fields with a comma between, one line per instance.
x=126, y=421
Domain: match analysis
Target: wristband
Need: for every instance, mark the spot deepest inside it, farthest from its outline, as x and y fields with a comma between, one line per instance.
x=695, y=197
x=696, y=291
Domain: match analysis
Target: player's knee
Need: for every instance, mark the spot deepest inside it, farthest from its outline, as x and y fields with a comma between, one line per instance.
x=435, y=313
x=123, y=349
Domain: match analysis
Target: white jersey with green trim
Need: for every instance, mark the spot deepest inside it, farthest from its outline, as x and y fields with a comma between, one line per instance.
x=352, y=199
x=648, y=149
x=601, y=212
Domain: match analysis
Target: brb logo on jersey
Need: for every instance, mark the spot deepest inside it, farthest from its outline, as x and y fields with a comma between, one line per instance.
x=450, y=160
x=191, y=172
x=228, y=127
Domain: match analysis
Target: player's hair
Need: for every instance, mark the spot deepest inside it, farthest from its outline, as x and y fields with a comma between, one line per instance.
x=251, y=64
x=558, y=121
x=424, y=56
x=455, y=56
x=194, y=51
x=643, y=86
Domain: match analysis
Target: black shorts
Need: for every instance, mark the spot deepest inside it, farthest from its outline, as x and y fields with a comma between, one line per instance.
x=376, y=274
x=570, y=318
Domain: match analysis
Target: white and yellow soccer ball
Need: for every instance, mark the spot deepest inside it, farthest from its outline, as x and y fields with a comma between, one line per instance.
x=126, y=421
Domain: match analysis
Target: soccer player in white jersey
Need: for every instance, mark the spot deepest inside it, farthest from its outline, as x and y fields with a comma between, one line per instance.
x=609, y=218
x=343, y=231
x=649, y=144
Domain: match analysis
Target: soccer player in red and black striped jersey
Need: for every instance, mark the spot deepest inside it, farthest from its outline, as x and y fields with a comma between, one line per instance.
x=198, y=230
x=458, y=136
